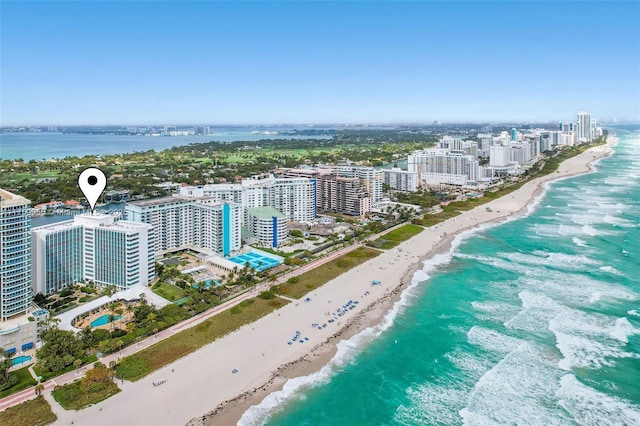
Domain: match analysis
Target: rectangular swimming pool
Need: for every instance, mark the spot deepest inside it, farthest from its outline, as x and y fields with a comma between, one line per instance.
x=20, y=359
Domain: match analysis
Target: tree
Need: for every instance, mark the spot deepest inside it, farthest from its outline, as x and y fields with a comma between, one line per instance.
x=60, y=349
x=77, y=363
x=7, y=379
x=39, y=388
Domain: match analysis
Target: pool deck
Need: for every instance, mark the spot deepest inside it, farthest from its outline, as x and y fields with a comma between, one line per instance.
x=133, y=293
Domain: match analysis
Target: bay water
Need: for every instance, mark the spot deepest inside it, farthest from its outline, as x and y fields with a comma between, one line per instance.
x=535, y=321
x=48, y=145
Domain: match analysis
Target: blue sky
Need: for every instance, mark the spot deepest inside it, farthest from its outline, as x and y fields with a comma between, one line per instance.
x=316, y=62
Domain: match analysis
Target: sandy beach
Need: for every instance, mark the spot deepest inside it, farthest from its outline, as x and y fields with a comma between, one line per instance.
x=201, y=388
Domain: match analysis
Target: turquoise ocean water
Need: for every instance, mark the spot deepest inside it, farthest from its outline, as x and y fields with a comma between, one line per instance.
x=534, y=322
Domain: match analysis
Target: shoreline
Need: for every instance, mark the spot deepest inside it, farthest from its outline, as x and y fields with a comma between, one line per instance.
x=231, y=411
x=202, y=382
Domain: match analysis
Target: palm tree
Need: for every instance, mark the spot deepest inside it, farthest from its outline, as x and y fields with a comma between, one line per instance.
x=53, y=322
x=76, y=364
x=151, y=318
x=119, y=311
x=39, y=388
x=130, y=311
x=112, y=318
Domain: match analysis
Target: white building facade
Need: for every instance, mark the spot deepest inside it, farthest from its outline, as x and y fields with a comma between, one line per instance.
x=182, y=221
x=293, y=197
x=439, y=166
x=15, y=255
x=92, y=247
x=268, y=225
x=401, y=180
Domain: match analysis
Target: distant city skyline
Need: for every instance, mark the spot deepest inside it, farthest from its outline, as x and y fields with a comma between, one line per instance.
x=243, y=63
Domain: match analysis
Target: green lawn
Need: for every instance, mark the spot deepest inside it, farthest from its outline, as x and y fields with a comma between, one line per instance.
x=395, y=237
x=24, y=381
x=136, y=366
x=168, y=291
x=36, y=412
x=321, y=275
x=42, y=175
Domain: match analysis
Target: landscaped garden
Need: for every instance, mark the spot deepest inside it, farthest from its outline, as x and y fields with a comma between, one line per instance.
x=96, y=385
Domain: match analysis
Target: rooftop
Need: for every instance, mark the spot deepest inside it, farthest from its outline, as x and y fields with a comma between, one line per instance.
x=160, y=201
x=265, y=212
x=9, y=199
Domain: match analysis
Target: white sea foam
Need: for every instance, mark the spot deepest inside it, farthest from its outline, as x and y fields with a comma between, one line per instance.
x=492, y=340
x=590, y=407
x=595, y=296
x=580, y=243
x=517, y=387
x=349, y=349
x=472, y=366
x=617, y=221
x=551, y=259
x=537, y=311
x=431, y=403
x=611, y=270
x=619, y=181
x=590, y=340
x=623, y=329
x=500, y=311
x=634, y=312
x=439, y=401
x=548, y=230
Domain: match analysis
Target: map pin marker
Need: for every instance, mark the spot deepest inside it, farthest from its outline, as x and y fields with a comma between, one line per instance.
x=92, y=182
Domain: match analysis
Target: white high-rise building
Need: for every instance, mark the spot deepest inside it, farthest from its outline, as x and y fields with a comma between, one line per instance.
x=371, y=179
x=17, y=332
x=584, y=127
x=182, y=221
x=15, y=255
x=92, y=247
x=499, y=155
x=401, y=180
x=485, y=140
x=293, y=197
x=436, y=167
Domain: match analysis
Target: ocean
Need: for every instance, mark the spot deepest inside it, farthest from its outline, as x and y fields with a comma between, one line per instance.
x=535, y=321
x=47, y=145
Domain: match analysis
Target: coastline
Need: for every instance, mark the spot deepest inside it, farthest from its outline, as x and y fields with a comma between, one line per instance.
x=231, y=411
x=260, y=352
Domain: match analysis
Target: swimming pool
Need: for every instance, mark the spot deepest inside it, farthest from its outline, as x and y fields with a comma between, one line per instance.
x=257, y=261
x=104, y=319
x=209, y=283
x=20, y=359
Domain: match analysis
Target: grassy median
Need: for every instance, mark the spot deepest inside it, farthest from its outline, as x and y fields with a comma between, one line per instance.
x=298, y=286
x=395, y=237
